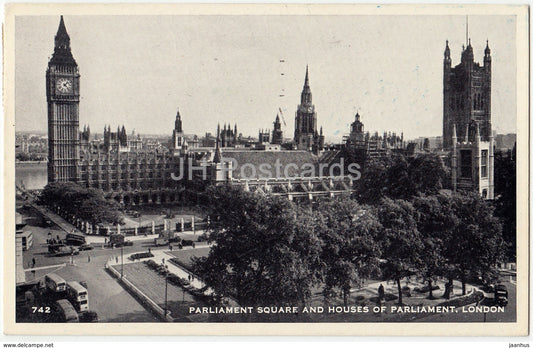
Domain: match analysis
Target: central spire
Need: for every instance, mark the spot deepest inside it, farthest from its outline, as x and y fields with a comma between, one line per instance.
x=306, y=98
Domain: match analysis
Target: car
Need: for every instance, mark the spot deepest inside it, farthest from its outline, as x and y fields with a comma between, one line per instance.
x=85, y=247
x=501, y=295
x=133, y=213
x=88, y=317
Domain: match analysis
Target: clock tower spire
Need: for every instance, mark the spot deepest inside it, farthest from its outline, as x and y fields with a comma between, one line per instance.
x=63, y=98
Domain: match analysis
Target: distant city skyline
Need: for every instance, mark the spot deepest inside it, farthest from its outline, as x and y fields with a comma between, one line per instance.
x=138, y=70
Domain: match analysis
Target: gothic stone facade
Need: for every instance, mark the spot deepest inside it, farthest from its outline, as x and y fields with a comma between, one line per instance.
x=467, y=129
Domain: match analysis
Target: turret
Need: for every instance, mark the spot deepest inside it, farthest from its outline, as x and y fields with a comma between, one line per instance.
x=218, y=155
x=487, y=60
x=447, y=58
x=177, y=123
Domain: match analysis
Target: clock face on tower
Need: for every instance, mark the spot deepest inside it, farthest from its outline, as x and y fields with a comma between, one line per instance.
x=64, y=85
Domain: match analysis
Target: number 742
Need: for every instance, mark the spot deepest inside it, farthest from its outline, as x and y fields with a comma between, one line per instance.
x=41, y=309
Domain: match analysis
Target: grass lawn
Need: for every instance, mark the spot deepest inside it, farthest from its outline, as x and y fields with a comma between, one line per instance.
x=184, y=256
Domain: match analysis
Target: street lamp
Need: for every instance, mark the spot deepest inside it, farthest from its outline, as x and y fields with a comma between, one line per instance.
x=166, y=288
x=122, y=261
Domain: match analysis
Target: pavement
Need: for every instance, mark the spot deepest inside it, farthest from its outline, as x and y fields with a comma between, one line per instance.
x=106, y=296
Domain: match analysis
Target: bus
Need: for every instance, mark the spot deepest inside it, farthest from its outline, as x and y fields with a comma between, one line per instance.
x=78, y=295
x=55, y=283
x=65, y=312
x=75, y=239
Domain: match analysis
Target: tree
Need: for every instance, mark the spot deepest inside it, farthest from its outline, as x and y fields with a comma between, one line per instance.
x=87, y=204
x=350, y=251
x=428, y=174
x=435, y=223
x=265, y=249
x=400, y=240
x=505, y=197
x=399, y=177
x=475, y=245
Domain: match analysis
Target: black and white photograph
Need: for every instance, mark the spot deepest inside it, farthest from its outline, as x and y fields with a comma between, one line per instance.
x=344, y=165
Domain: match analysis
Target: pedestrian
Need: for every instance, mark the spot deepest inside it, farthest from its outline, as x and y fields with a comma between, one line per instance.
x=189, y=277
x=170, y=246
x=116, y=259
x=381, y=292
x=105, y=240
x=88, y=258
x=193, y=245
x=33, y=262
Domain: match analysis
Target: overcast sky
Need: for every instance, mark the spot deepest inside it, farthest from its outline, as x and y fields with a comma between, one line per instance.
x=138, y=70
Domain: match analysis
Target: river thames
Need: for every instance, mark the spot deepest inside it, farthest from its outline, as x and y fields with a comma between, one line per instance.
x=31, y=175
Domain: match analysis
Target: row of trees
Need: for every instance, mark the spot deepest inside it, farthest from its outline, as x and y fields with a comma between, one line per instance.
x=85, y=203
x=268, y=251
x=30, y=156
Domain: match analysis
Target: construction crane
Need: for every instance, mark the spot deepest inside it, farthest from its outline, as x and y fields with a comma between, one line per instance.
x=282, y=118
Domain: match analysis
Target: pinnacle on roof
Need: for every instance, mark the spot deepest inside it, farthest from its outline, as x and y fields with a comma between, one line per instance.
x=306, y=83
x=218, y=155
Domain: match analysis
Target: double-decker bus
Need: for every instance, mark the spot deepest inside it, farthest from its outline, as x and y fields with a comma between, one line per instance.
x=78, y=296
x=55, y=283
x=75, y=239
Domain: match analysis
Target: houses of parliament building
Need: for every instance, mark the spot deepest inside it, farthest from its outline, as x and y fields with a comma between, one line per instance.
x=134, y=175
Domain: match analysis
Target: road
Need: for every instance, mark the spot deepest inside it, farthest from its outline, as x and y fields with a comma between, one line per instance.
x=106, y=296
x=509, y=314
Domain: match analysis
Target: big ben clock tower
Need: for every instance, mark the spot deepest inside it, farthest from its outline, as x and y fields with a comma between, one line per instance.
x=63, y=97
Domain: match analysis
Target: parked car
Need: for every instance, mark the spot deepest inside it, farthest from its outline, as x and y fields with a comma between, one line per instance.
x=133, y=213
x=61, y=250
x=88, y=317
x=85, y=247
x=501, y=295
